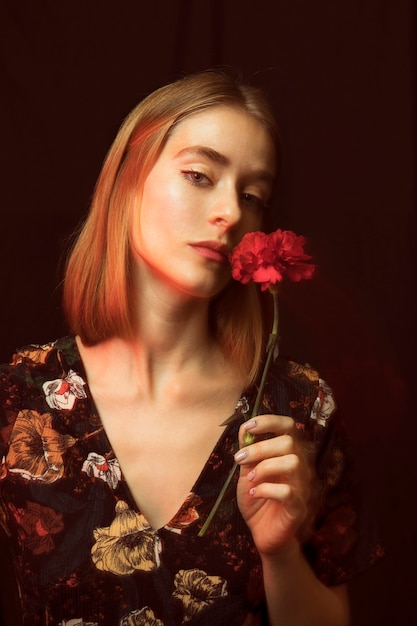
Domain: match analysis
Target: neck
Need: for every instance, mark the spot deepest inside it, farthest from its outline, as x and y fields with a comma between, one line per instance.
x=172, y=343
x=170, y=328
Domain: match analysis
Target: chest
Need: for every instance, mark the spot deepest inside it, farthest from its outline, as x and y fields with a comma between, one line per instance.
x=162, y=450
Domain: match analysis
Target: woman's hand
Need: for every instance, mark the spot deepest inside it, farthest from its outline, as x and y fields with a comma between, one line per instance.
x=274, y=487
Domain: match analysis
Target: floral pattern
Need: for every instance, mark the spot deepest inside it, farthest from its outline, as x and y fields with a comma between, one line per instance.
x=197, y=591
x=97, y=466
x=36, y=449
x=38, y=524
x=63, y=392
x=86, y=556
x=324, y=405
x=144, y=617
x=78, y=621
x=128, y=544
x=187, y=514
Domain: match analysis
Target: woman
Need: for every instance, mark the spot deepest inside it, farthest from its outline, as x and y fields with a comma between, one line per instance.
x=113, y=453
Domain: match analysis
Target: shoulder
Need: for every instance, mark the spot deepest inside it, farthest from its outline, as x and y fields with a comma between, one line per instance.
x=298, y=390
x=40, y=358
x=23, y=379
x=290, y=385
x=294, y=373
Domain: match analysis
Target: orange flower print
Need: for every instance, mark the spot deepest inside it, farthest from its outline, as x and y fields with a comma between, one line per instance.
x=62, y=393
x=197, y=590
x=186, y=515
x=128, y=544
x=36, y=449
x=296, y=369
x=3, y=468
x=144, y=617
x=33, y=354
x=39, y=524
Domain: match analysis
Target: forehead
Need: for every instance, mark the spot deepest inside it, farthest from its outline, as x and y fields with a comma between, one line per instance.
x=230, y=130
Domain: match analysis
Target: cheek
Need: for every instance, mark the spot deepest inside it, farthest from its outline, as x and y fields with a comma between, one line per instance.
x=163, y=203
x=156, y=217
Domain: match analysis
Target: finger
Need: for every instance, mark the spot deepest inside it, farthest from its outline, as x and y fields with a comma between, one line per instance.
x=294, y=508
x=285, y=469
x=293, y=505
x=268, y=423
x=281, y=492
x=267, y=448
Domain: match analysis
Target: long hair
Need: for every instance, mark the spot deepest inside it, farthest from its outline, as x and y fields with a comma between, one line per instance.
x=98, y=284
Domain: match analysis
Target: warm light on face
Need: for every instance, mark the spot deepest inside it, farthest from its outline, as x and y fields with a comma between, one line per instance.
x=209, y=186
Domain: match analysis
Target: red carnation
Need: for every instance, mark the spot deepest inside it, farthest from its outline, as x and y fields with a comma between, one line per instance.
x=265, y=259
x=268, y=259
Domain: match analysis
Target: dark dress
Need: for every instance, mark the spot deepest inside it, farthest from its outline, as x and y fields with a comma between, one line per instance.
x=84, y=554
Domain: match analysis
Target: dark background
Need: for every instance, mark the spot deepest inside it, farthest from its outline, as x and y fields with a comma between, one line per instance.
x=341, y=75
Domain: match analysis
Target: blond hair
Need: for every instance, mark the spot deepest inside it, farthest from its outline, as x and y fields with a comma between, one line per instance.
x=98, y=283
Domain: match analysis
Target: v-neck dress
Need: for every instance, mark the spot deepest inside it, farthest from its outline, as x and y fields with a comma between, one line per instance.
x=83, y=553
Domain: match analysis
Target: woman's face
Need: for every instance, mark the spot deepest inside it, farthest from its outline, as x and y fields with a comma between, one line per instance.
x=209, y=186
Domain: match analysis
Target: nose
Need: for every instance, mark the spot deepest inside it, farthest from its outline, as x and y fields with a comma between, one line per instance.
x=226, y=210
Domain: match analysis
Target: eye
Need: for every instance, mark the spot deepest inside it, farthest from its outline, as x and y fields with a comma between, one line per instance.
x=195, y=177
x=255, y=201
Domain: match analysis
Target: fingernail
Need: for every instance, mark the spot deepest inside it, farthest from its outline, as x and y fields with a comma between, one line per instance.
x=239, y=456
x=251, y=475
x=250, y=424
x=252, y=491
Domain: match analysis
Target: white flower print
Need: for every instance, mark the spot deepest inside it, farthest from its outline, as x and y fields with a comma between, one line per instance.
x=62, y=393
x=109, y=471
x=242, y=405
x=324, y=406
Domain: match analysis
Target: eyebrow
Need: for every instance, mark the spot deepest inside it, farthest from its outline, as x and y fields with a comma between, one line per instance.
x=217, y=157
x=204, y=151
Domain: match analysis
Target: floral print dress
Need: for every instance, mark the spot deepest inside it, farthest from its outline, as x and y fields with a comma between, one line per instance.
x=83, y=553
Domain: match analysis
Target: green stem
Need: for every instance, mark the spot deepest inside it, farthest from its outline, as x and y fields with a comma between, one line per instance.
x=217, y=503
x=272, y=342
x=271, y=348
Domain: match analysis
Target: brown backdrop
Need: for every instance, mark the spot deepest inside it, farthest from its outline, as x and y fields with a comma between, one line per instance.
x=342, y=78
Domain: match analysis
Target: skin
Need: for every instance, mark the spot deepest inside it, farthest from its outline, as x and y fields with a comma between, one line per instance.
x=208, y=188
x=273, y=495
x=217, y=171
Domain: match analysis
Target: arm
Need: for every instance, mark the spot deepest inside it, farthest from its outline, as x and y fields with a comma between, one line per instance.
x=295, y=595
x=274, y=491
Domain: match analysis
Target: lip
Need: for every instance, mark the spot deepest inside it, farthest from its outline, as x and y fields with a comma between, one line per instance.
x=213, y=249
